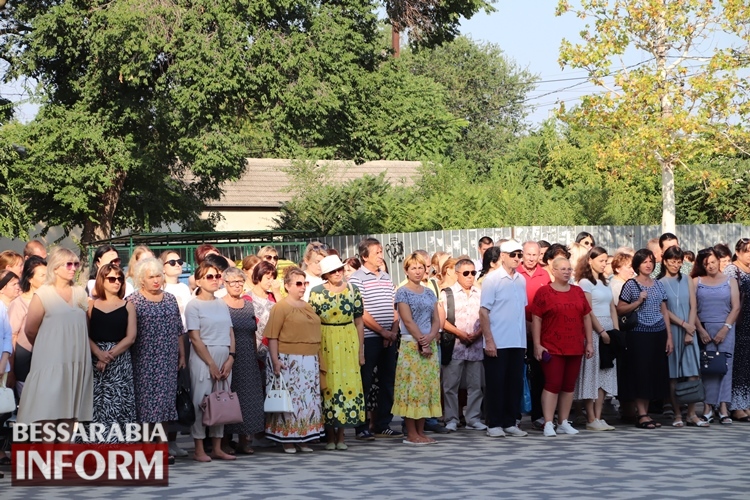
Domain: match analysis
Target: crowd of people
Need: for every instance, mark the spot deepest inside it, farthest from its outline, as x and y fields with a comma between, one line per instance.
x=537, y=328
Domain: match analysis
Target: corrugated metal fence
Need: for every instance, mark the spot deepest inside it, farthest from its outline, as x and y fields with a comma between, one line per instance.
x=464, y=241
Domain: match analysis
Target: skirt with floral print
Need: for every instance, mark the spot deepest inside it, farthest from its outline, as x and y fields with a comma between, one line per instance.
x=343, y=399
x=417, y=389
x=305, y=422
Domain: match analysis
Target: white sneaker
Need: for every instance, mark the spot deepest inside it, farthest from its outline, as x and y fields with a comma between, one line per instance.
x=176, y=451
x=495, y=432
x=596, y=425
x=515, y=431
x=606, y=426
x=476, y=426
x=451, y=426
x=564, y=427
x=549, y=429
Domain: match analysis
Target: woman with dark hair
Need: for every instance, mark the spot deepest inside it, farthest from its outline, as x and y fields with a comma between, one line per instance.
x=718, y=305
x=490, y=262
x=595, y=382
x=105, y=254
x=725, y=256
x=263, y=299
x=112, y=329
x=740, y=270
x=350, y=265
x=33, y=276
x=645, y=374
x=682, y=313
x=585, y=239
x=209, y=326
x=553, y=251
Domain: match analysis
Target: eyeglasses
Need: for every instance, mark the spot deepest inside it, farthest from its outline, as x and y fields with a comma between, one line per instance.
x=514, y=255
x=339, y=270
x=321, y=246
x=211, y=277
x=466, y=273
x=72, y=265
x=235, y=283
x=175, y=262
x=113, y=279
x=302, y=283
x=271, y=257
x=116, y=262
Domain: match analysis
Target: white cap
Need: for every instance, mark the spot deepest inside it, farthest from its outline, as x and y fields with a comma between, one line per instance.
x=511, y=246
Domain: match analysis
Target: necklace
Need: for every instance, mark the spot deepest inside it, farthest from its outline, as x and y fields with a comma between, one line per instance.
x=676, y=294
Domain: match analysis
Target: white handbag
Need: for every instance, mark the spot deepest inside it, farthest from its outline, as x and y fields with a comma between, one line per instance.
x=7, y=399
x=278, y=400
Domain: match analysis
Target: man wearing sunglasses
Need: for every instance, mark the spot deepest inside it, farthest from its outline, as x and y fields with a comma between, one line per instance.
x=536, y=277
x=462, y=320
x=503, y=320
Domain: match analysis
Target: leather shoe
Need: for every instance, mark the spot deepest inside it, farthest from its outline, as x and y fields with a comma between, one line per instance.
x=436, y=428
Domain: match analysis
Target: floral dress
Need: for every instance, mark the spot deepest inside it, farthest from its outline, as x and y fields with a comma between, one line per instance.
x=343, y=398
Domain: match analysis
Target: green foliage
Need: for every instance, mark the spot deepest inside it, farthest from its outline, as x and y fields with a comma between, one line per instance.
x=484, y=88
x=15, y=220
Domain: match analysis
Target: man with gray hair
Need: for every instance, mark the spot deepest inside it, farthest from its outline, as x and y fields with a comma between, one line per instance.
x=461, y=305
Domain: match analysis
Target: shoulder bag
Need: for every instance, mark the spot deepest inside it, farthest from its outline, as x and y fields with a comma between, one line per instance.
x=688, y=391
x=447, y=339
x=7, y=399
x=629, y=321
x=713, y=362
x=185, y=407
x=278, y=399
x=221, y=407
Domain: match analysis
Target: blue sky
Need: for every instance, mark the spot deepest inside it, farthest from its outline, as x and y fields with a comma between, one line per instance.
x=529, y=32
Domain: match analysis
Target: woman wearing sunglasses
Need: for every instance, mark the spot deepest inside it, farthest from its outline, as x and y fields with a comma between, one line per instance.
x=112, y=328
x=105, y=254
x=157, y=352
x=294, y=336
x=340, y=308
x=212, y=356
x=172, y=271
x=270, y=256
x=59, y=387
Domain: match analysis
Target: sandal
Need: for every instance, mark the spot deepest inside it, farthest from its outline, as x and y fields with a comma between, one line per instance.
x=725, y=419
x=678, y=423
x=696, y=421
x=646, y=424
x=245, y=450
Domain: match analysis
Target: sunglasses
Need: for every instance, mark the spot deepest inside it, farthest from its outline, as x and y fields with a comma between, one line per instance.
x=514, y=255
x=466, y=273
x=114, y=279
x=72, y=265
x=211, y=277
x=302, y=283
x=271, y=257
x=321, y=246
x=116, y=262
x=173, y=262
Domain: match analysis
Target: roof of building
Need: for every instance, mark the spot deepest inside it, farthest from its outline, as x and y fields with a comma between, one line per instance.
x=265, y=183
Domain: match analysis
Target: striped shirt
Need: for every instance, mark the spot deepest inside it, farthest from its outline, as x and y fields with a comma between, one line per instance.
x=378, y=296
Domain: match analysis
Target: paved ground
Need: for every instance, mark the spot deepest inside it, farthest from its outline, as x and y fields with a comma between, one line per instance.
x=626, y=463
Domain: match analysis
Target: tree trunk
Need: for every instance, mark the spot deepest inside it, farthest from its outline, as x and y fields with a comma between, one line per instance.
x=667, y=199
x=395, y=40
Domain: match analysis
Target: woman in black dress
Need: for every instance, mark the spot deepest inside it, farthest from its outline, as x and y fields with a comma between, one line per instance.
x=112, y=330
x=246, y=379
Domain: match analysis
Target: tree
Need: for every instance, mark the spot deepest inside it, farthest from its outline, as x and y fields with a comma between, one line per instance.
x=483, y=87
x=684, y=98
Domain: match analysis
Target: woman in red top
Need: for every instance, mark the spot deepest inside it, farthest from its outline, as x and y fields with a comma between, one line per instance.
x=561, y=329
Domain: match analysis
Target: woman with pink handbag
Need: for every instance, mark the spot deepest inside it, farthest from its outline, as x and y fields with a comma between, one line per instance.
x=212, y=356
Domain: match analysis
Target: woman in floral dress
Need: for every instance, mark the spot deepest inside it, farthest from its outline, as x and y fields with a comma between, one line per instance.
x=340, y=308
x=416, y=393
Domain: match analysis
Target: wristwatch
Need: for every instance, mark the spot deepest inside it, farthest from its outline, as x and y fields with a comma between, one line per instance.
x=234, y=355
x=728, y=325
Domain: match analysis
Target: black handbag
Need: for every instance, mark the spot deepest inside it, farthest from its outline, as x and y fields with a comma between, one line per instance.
x=629, y=321
x=185, y=408
x=714, y=362
x=688, y=391
x=447, y=339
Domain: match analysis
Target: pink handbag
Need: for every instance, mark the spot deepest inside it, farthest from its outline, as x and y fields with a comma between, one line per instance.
x=221, y=407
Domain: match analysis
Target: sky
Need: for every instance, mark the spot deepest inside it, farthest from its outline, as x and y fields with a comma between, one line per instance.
x=526, y=30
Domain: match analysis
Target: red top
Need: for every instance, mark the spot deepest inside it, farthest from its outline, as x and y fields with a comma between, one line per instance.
x=562, y=316
x=533, y=284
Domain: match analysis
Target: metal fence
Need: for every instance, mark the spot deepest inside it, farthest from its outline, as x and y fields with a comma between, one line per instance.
x=464, y=241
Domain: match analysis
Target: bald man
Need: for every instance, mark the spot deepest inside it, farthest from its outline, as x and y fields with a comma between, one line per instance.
x=34, y=247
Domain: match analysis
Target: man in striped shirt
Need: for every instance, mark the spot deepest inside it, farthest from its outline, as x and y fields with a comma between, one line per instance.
x=381, y=331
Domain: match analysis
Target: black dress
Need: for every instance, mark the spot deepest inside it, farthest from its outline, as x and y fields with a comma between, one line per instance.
x=246, y=379
x=114, y=399
x=741, y=366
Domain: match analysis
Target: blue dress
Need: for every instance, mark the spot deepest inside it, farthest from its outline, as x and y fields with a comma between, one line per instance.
x=714, y=305
x=678, y=303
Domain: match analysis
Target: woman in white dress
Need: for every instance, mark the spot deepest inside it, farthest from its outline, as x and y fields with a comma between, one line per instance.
x=594, y=382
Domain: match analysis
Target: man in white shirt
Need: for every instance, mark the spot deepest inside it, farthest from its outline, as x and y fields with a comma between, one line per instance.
x=503, y=322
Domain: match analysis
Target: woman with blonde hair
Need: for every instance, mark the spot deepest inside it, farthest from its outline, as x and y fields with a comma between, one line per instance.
x=577, y=252
x=436, y=263
x=294, y=337
x=314, y=253
x=59, y=387
x=448, y=273
x=269, y=254
x=140, y=252
x=12, y=261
